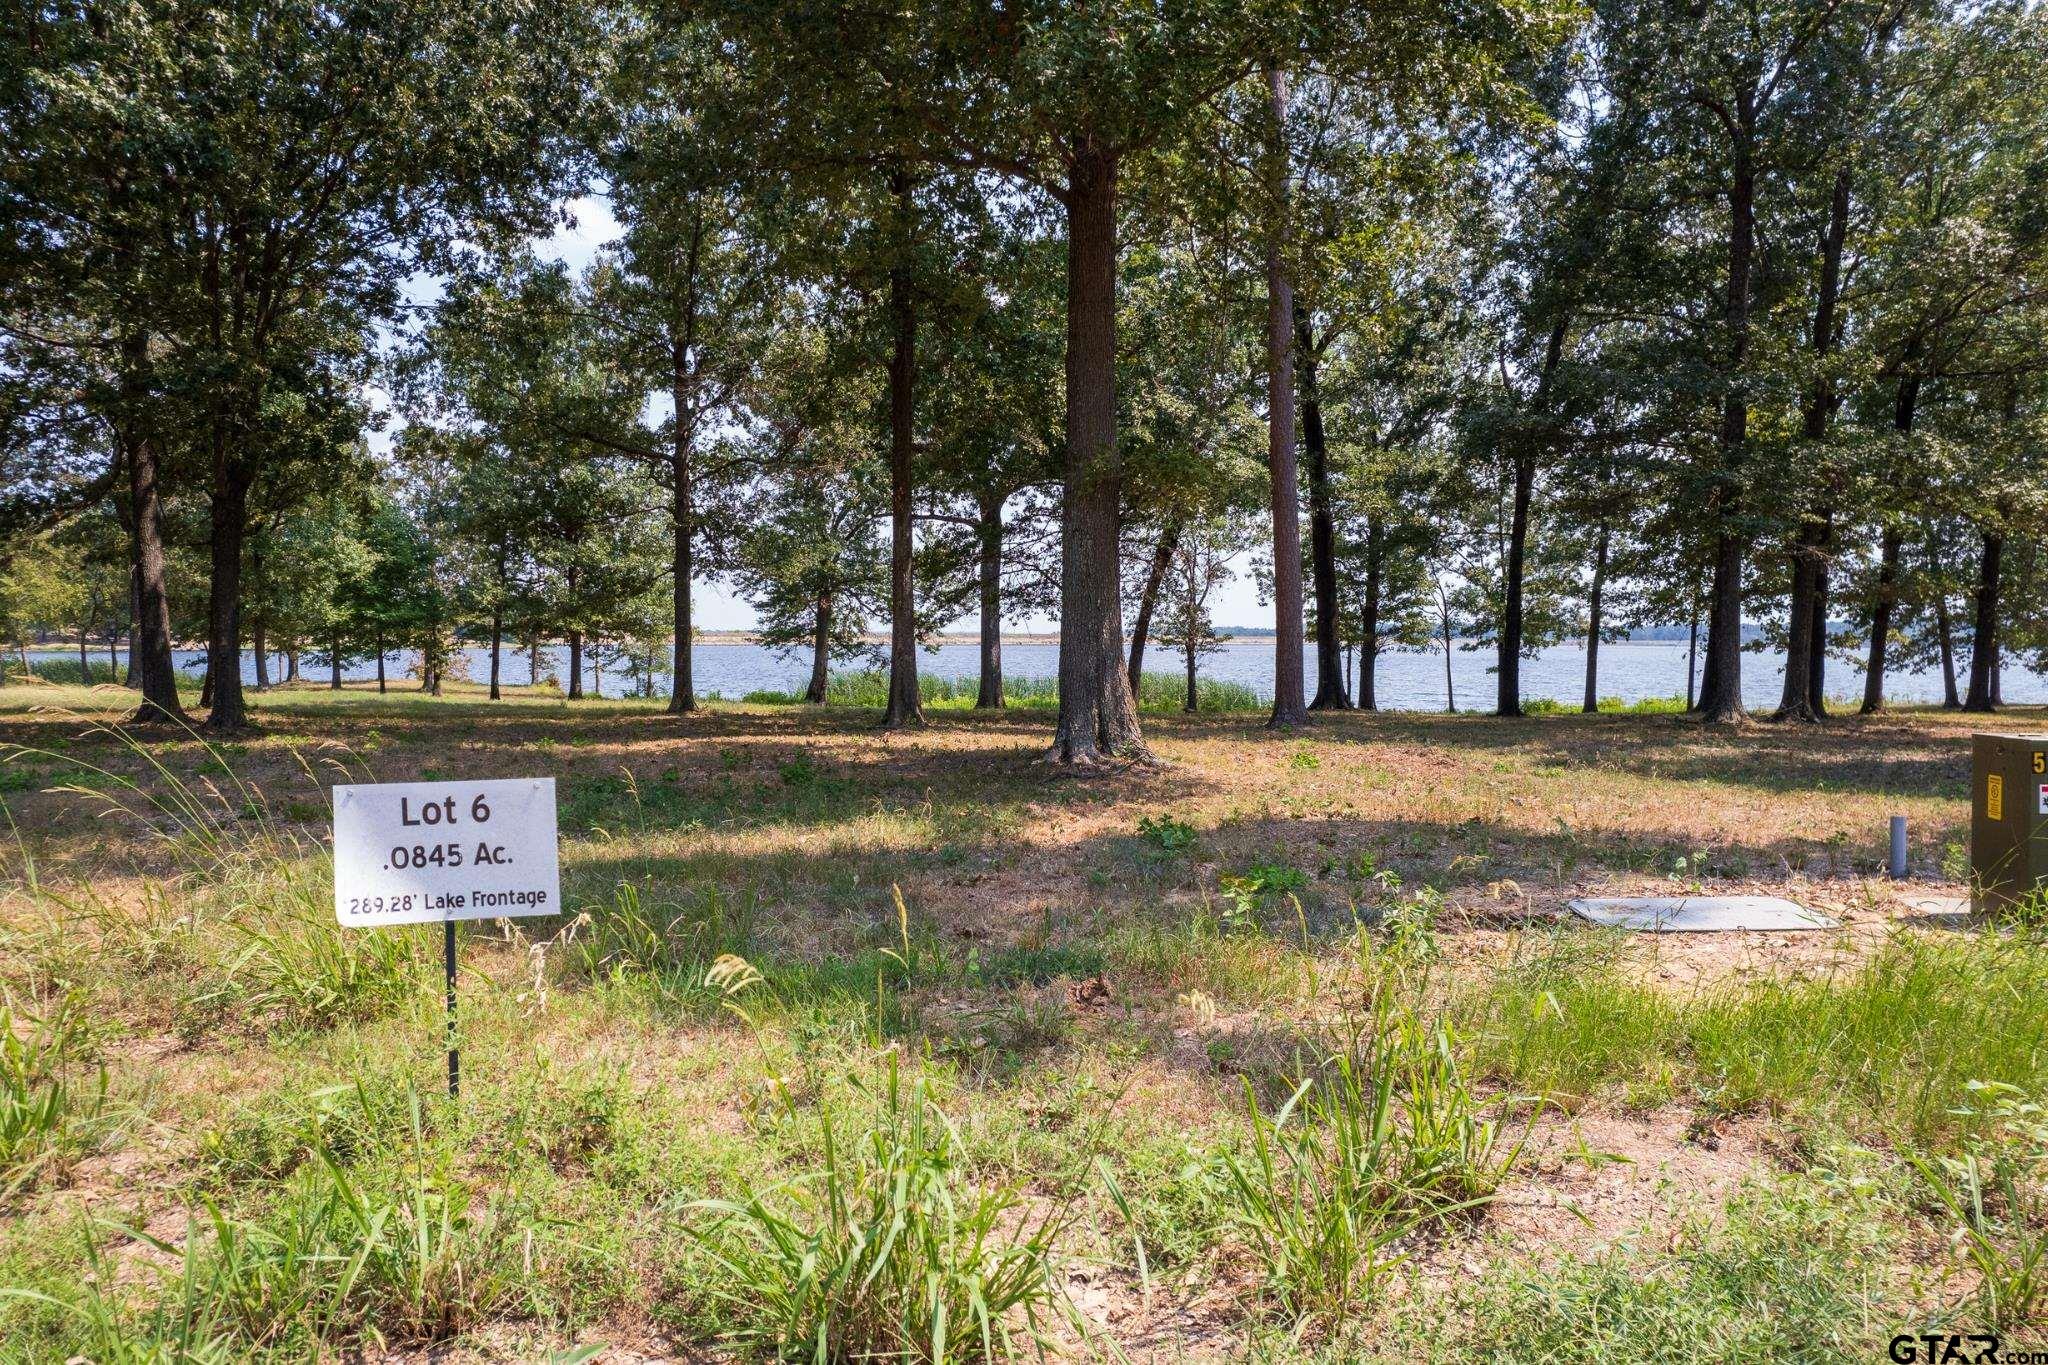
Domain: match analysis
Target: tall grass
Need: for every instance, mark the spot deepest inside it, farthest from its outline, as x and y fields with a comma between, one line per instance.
x=1384, y=1139
x=1642, y=706
x=1794, y=1270
x=1157, y=692
x=1993, y=1196
x=51, y=1089
x=242, y=921
x=675, y=939
x=67, y=670
x=1886, y=1045
x=299, y=968
x=889, y=1248
x=1568, y=1020
x=333, y=1257
x=204, y=813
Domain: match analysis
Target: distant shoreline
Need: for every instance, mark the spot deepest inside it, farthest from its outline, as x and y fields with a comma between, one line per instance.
x=98, y=644
x=746, y=637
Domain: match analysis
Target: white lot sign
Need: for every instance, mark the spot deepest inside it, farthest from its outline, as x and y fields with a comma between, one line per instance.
x=421, y=852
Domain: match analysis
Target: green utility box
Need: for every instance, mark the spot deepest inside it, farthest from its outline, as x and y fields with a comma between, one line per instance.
x=2008, y=818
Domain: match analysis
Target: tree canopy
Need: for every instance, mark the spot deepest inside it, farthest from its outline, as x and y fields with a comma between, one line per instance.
x=1483, y=326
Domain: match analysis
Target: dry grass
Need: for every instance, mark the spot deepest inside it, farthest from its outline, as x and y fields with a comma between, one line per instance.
x=1073, y=979
x=1551, y=805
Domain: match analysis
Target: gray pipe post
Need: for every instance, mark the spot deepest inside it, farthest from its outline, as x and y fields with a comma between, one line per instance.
x=1898, y=864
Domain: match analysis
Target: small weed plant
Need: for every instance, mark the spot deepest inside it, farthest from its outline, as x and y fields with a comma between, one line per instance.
x=1166, y=837
x=1408, y=927
x=1247, y=893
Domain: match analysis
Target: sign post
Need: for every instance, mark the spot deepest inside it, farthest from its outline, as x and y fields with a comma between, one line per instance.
x=454, y=1052
x=418, y=852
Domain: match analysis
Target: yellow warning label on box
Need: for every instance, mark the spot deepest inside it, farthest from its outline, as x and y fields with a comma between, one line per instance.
x=1994, y=797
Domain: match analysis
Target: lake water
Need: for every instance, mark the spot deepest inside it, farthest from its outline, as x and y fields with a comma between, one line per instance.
x=1407, y=681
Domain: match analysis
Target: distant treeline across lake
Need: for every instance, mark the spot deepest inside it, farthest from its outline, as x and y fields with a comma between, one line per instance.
x=1631, y=672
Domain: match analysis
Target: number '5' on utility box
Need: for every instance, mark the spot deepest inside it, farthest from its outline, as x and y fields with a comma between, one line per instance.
x=421, y=852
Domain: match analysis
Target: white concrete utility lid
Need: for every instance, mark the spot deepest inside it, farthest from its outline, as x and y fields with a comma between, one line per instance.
x=1700, y=914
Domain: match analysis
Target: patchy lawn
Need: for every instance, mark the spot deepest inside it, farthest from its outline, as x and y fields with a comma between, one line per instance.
x=1104, y=1025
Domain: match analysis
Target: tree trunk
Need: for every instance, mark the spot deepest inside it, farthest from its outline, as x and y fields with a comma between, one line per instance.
x=84, y=660
x=334, y=665
x=1721, y=679
x=1332, y=694
x=229, y=505
x=988, y=529
x=1369, y=616
x=821, y=653
x=1944, y=627
x=259, y=646
x=1692, y=656
x=596, y=671
x=682, y=697
x=1984, y=639
x=1508, y=665
x=1795, y=698
x=906, y=707
x=1592, y=700
x=1098, y=715
x=134, y=607
x=149, y=651
x=1881, y=619
x=1721, y=686
x=1944, y=623
x=1904, y=406
x=380, y=661
x=1508, y=660
x=1450, y=689
x=1817, y=652
x=1809, y=544
x=1193, y=694
x=1289, y=709
x=575, y=665
x=498, y=621
x=1148, y=598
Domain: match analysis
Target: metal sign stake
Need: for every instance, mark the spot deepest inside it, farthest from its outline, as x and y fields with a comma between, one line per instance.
x=454, y=1052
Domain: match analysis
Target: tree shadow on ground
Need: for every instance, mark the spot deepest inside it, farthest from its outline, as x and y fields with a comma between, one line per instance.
x=803, y=798
x=1885, y=754
x=1845, y=754
x=1336, y=872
